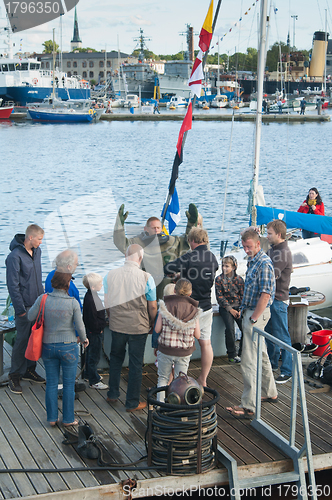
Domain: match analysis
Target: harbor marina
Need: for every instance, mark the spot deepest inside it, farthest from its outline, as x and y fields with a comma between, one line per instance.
x=111, y=168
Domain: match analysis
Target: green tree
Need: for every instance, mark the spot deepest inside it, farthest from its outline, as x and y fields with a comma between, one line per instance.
x=81, y=49
x=48, y=47
x=273, y=55
x=148, y=54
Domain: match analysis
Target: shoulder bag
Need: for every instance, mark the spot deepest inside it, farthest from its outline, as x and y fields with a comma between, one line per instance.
x=35, y=345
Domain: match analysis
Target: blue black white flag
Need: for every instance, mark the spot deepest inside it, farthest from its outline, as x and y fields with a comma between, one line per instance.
x=173, y=212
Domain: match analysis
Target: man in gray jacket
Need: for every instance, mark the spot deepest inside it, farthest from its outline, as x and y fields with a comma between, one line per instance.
x=24, y=283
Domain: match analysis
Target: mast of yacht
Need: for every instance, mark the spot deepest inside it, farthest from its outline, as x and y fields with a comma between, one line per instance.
x=260, y=79
x=324, y=83
x=53, y=75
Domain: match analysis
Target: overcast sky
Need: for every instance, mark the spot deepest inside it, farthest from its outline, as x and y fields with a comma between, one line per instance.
x=103, y=22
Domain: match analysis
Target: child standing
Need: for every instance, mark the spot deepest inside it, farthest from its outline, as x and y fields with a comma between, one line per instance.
x=229, y=293
x=178, y=325
x=95, y=321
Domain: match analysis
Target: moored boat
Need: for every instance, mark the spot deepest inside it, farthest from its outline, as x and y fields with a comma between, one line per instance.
x=219, y=101
x=74, y=111
x=5, y=111
x=177, y=102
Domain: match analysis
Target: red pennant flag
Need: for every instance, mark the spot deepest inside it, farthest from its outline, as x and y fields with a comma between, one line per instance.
x=186, y=125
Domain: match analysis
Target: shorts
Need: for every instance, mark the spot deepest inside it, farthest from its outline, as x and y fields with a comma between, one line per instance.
x=205, y=324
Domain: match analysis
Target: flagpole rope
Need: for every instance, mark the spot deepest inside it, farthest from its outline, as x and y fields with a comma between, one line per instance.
x=227, y=172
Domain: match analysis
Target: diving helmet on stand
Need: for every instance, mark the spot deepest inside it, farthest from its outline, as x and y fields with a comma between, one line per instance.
x=184, y=390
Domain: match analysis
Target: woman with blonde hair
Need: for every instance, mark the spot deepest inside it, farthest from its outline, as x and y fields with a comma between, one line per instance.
x=60, y=348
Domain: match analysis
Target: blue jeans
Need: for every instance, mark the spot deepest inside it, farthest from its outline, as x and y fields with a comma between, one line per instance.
x=92, y=357
x=64, y=354
x=278, y=327
x=136, y=346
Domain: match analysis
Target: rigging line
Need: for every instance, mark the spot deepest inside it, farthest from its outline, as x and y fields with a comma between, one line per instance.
x=328, y=9
x=239, y=38
x=320, y=15
x=227, y=172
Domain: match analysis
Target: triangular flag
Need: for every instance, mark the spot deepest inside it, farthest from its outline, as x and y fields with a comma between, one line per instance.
x=186, y=125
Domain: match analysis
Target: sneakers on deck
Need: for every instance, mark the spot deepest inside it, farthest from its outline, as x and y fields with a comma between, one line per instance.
x=33, y=377
x=99, y=385
x=14, y=384
x=236, y=359
x=282, y=379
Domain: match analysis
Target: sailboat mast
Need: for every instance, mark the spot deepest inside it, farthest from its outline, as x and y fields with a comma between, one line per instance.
x=324, y=83
x=260, y=80
x=53, y=79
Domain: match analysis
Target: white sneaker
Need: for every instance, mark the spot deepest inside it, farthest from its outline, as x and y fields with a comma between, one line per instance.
x=99, y=385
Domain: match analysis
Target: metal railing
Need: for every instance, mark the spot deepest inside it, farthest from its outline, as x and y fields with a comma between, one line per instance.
x=287, y=446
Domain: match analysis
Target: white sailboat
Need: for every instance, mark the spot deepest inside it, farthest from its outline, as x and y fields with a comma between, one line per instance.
x=312, y=258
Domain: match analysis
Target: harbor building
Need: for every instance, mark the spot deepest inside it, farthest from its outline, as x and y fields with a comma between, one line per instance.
x=88, y=65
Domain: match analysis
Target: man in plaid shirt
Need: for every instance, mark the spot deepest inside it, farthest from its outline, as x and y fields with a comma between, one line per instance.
x=258, y=295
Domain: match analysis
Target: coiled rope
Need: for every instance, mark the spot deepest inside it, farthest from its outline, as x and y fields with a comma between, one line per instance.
x=182, y=438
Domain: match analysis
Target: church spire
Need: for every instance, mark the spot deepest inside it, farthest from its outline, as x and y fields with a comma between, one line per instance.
x=76, y=42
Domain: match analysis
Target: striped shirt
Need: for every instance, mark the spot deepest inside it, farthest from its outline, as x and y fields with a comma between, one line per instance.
x=259, y=279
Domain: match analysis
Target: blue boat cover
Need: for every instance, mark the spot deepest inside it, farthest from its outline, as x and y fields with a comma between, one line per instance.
x=316, y=223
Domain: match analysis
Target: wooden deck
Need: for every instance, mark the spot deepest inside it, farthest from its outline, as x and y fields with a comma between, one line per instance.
x=26, y=440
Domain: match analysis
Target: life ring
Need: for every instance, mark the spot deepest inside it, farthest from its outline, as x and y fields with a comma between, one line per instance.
x=91, y=111
x=35, y=81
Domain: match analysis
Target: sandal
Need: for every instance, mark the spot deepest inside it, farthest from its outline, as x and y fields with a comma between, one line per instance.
x=241, y=413
x=270, y=400
x=54, y=424
x=72, y=424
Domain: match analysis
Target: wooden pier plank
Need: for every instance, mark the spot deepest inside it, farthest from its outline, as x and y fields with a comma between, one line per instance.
x=19, y=450
x=11, y=485
x=47, y=441
x=123, y=433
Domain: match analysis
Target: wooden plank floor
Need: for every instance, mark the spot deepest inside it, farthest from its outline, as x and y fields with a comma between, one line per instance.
x=26, y=440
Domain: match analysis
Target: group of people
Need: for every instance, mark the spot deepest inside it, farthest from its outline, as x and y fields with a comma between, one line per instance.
x=131, y=294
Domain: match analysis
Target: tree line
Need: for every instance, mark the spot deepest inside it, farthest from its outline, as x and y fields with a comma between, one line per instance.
x=236, y=62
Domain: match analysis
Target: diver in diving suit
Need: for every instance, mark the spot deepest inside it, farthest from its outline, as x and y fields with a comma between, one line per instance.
x=159, y=248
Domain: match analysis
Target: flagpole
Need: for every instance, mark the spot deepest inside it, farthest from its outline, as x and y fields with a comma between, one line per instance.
x=193, y=105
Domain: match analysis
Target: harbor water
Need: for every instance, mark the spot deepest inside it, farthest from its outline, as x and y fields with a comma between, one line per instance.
x=71, y=179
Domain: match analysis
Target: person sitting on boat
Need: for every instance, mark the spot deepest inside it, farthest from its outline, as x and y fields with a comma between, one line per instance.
x=169, y=247
x=313, y=204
